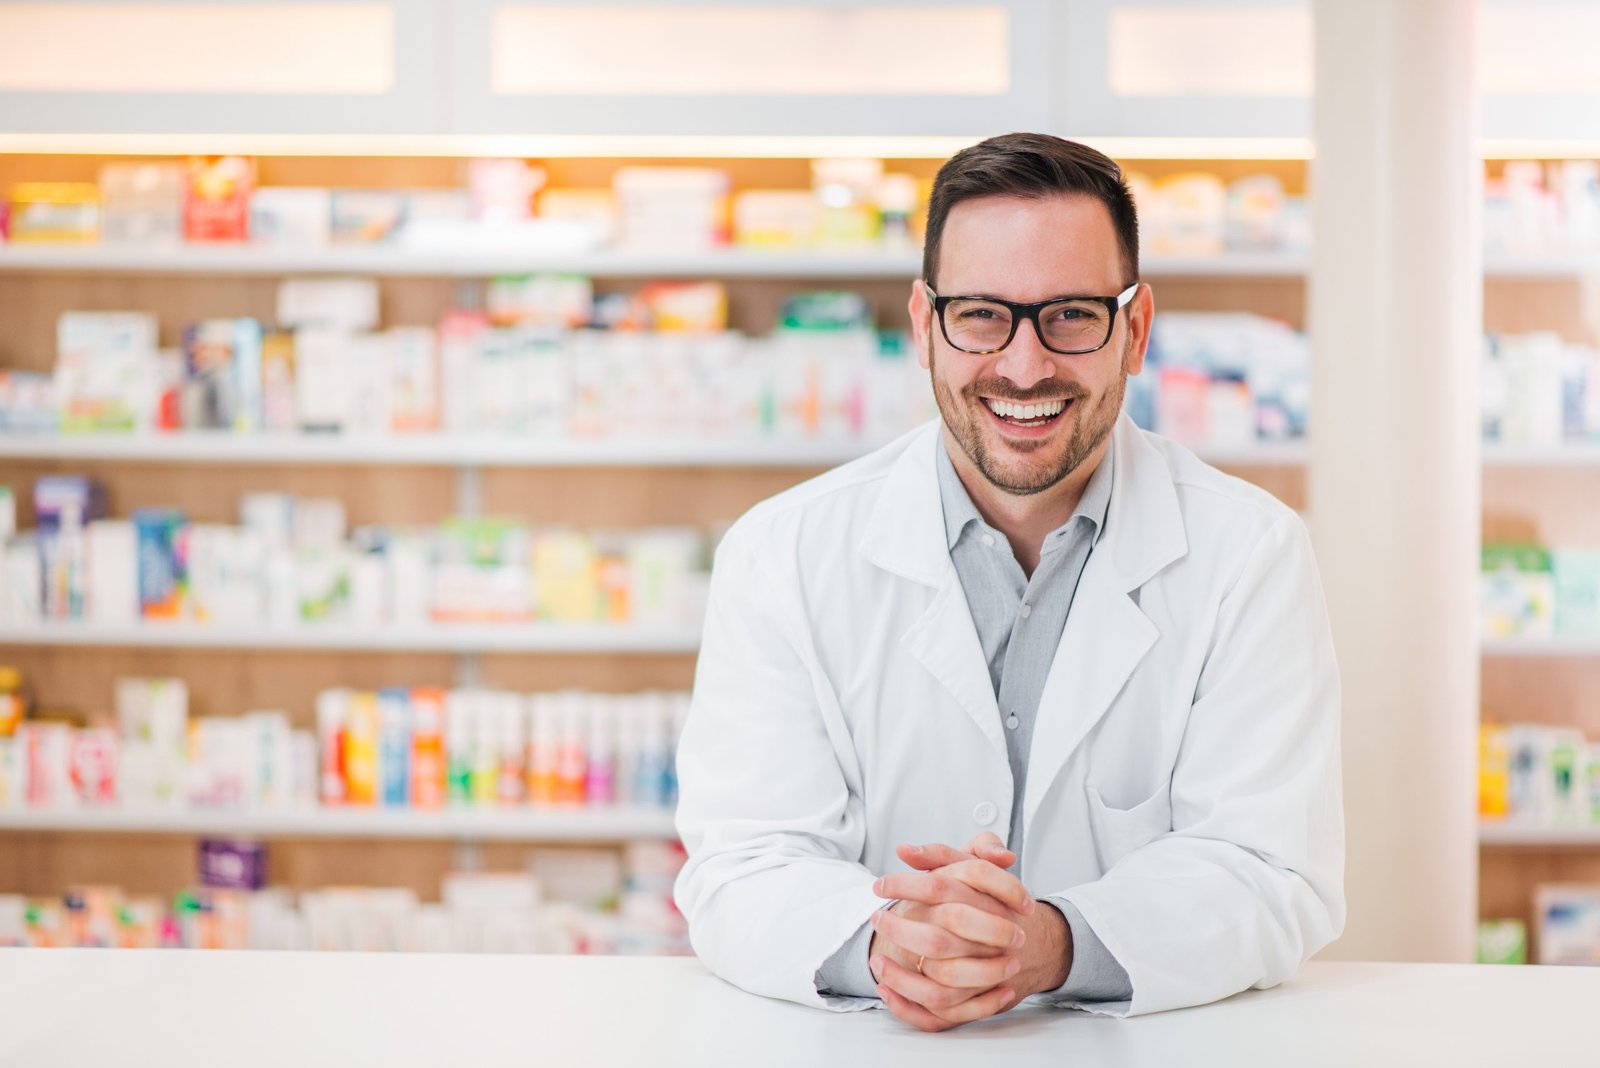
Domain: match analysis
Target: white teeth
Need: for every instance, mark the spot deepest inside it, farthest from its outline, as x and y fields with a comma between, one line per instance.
x=1026, y=412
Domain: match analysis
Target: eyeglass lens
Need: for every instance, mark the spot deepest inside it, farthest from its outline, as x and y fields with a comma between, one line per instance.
x=1066, y=326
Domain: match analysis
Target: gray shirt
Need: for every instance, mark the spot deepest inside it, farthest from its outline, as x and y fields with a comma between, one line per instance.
x=1019, y=620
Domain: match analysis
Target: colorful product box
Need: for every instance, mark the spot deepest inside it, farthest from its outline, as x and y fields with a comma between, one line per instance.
x=395, y=731
x=332, y=717
x=105, y=368
x=222, y=364
x=93, y=767
x=428, y=765
x=216, y=203
x=54, y=213
x=361, y=740
x=162, y=572
x=227, y=864
x=1568, y=919
x=1517, y=592
x=47, y=751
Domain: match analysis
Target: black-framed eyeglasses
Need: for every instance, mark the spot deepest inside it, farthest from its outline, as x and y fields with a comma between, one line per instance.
x=1069, y=326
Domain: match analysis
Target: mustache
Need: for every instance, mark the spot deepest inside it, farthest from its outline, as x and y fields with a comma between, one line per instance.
x=1001, y=390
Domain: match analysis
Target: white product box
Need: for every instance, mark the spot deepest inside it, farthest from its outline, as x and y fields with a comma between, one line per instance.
x=335, y=303
x=113, y=586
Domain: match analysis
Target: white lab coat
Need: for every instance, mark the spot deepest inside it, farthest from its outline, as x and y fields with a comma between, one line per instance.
x=1184, y=785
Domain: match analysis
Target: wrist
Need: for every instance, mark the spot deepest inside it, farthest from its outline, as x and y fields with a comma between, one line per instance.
x=1047, y=953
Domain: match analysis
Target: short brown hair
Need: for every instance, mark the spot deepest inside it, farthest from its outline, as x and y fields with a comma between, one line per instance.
x=1031, y=165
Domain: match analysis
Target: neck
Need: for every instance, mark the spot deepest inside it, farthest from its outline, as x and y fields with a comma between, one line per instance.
x=1025, y=519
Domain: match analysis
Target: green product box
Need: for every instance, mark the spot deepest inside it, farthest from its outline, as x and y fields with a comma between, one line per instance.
x=1502, y=942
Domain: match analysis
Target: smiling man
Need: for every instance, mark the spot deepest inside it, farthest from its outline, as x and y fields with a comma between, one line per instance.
x=1101, y=666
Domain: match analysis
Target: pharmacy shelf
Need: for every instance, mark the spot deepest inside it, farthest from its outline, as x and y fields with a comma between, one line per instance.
x=441, y=450
x=1258, y=454
x=904, y=263
x=434, y=450
x=1543, y=265
x=1510, y=835
x=1572, y=454
x=397, y=260
x=521, y=824
x=899, y=263
x=436, y=638
x=1541, y=647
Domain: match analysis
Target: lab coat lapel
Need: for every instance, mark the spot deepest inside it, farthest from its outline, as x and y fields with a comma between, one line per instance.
x=906, y=537
x=1106, y=635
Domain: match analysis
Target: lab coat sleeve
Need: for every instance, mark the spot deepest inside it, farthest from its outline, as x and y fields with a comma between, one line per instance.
x=1248, y=883
x=774, y=883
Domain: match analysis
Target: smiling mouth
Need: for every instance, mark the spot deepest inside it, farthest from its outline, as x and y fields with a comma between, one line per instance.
x=1028, y=416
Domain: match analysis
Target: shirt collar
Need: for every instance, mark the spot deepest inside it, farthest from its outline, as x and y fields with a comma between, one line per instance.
x=959, y=511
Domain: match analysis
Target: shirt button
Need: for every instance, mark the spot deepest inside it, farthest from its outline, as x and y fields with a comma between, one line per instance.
x=988, y=539
x=984, y=813
x=1027, y=610
x=1012, y=722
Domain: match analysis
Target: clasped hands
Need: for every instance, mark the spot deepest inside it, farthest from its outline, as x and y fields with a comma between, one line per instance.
x=965, y=940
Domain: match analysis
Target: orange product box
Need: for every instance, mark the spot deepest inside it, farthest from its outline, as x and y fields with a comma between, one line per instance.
x=427, y=748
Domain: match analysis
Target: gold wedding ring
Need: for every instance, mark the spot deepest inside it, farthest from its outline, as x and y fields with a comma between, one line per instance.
x=919, y=964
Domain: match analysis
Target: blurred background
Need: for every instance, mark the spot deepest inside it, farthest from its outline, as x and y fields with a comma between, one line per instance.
x=377, y=377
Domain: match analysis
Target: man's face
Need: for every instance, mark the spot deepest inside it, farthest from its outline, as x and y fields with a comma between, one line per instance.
x=1024, y=251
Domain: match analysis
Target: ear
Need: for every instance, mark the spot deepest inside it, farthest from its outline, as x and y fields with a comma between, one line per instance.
x=1141, y=313
x=921, y=320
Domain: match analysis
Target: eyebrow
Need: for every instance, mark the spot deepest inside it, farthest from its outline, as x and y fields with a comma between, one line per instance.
x=1045, y=300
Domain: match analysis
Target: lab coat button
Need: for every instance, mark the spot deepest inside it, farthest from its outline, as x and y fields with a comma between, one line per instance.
x=1027, y=610
x=984, y=813
x=988, y=539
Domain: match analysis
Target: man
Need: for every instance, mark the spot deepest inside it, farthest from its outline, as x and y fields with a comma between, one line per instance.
x=1031, y=620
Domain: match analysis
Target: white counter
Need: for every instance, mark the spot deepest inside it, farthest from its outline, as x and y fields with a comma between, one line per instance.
x=243, y=1010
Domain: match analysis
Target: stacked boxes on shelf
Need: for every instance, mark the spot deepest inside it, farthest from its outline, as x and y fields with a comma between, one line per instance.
x=568, y=901
x=293, y=561
x=417, y=748
x=1530, y=591
x=545, y=360
x=1540, y=391
x=505, y=204
x=1537, y=776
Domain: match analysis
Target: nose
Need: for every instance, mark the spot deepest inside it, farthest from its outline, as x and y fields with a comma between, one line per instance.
x=1025, y=362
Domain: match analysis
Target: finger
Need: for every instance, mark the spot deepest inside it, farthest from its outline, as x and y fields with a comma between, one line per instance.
x=976, y=925
x=909, y=1011
x=950, y=1005
x=998, y=883
x=914, y=986
x=988, y=846
x=937, y=855
x=927, y=939
x=939, y=887
x=971, y=973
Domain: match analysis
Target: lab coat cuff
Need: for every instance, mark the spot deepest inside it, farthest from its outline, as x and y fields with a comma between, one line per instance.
x=848, y=972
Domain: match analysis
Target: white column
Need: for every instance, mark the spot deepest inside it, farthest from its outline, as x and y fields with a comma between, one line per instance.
x=1395, y=313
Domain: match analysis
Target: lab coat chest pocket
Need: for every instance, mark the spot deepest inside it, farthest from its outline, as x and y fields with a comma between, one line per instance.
x=1119, y=831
